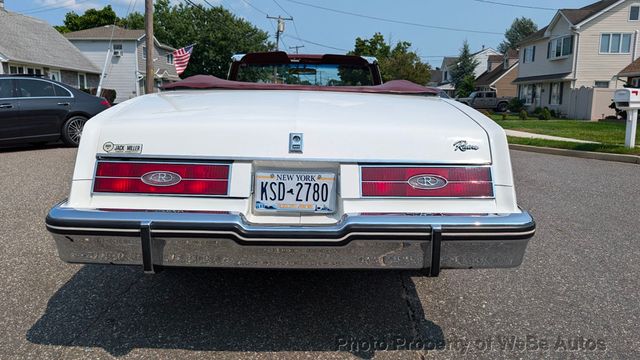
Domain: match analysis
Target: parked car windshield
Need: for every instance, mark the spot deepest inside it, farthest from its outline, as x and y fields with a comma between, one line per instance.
x=306, y=74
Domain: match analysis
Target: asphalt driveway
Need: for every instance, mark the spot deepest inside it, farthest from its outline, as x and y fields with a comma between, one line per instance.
x=576, y=295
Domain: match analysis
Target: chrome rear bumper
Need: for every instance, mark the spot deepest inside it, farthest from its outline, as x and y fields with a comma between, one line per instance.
x=357, y=241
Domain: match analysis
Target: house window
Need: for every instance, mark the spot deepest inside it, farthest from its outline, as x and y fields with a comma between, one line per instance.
x=601, y=84
x=635, y=82
x=560, y=47
x=82, y=81
x=170, y=59
x=54, y=75
x=634, y=13
x=529, y=54
x=555, y=94
x=144, y=52
x=527, y=93
x=615, y=43
x=15, y=70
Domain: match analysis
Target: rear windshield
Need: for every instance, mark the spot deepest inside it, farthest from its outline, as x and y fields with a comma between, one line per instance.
x=306, y=74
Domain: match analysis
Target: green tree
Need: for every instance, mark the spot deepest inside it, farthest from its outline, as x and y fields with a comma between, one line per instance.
x=467, y=86
x=464, y=68
x=520, y=29
x=397, y=62
x=134, y=20
x=216, y=33
x=90, y=19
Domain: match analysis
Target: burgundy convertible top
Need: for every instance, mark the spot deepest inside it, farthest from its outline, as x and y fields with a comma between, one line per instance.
x=212, y=82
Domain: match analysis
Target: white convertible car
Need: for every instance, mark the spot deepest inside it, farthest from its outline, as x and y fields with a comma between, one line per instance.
x=302, y=161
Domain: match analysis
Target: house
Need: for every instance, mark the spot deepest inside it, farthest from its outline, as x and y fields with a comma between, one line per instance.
x=569, y=64
x=448, y=63
x=125, y=71
x=32, y=46
x=501, y=71
x=632, y=74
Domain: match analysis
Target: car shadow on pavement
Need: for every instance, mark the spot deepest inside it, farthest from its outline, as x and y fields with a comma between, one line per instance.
x=31, y=147
x=120, y=309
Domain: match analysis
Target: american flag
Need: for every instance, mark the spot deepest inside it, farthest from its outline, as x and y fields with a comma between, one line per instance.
x=181, y=58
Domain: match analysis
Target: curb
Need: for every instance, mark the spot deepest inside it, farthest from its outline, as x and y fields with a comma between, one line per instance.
x=630, y=159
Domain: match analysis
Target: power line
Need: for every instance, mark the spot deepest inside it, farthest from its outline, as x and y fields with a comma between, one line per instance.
x=317, y=44
x=255, y=8
x=295, y=27
x=395, y=21
x=516, y=5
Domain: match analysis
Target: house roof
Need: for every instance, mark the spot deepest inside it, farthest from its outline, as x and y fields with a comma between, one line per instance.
x=542, y=77
x=632, y=69
x=496, y=58
x=32, y=41
x=574, y=16
x=105, y=33
x=535, y=36
x=449, y=60
x=436, y=76
x=490, y=77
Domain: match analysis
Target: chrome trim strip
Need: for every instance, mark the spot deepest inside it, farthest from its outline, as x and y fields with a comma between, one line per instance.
x=104, y=156
x=62, y=218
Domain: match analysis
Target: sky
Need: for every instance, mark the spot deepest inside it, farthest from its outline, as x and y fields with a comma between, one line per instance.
x=480, y=22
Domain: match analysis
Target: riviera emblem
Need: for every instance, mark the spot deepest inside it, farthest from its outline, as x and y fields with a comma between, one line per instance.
x=427, y=182
x=463, y=146
x=161, y=178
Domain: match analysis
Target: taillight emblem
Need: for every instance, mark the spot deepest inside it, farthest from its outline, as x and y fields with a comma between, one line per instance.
x=161, y=178
x=427, y=182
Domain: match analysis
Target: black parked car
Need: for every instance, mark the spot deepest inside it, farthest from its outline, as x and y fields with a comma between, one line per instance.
x=36, y=110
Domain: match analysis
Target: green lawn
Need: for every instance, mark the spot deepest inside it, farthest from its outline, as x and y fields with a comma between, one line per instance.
x=605, y=148
x=602, y=132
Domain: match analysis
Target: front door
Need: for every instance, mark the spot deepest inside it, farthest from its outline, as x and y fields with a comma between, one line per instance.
x=9, y=111
x=42, y=111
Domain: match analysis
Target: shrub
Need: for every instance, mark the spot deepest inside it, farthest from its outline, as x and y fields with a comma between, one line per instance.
x=523, y=115
x=515, y=105
x=545, y=114
x=553, y=113
x=537, y=111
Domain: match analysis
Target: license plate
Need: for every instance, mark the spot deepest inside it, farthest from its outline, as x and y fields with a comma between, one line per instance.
x=293, y=191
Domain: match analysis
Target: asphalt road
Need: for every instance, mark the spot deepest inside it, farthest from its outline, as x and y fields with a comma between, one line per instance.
x=576, y=295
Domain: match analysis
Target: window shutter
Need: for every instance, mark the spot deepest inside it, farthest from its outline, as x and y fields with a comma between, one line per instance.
x=549, y=49
x=571, y=47
x=561, y=90
x=533, y=55
x=550, y=91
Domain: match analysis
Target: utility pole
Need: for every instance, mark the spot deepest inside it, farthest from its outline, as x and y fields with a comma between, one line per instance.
x=148, y=30
x=279, y=28
x=296, y=47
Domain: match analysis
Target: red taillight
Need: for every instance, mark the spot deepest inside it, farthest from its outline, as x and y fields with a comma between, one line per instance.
x=161, y=178
x=382, y=181
x=105, y=103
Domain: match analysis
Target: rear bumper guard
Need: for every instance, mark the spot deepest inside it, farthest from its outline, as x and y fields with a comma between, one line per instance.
x=358, y=241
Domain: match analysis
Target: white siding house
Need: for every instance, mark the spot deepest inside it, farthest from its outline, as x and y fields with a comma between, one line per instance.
x=580, y=48
x=125, y=71
x=448, y=62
